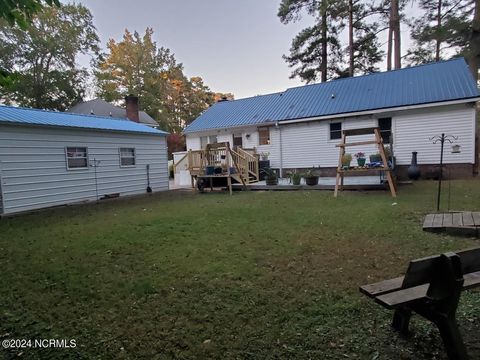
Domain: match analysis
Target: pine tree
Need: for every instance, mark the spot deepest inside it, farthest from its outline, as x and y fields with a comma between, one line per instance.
x=317, y=50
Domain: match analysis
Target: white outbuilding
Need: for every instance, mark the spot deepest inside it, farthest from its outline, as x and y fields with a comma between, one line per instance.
x=52, y=158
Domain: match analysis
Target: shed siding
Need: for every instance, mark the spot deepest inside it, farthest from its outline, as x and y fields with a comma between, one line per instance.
x=34, y=173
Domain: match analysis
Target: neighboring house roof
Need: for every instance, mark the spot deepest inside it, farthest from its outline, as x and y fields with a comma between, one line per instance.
x=26, y=116
x=429, y=83
x=102, y=108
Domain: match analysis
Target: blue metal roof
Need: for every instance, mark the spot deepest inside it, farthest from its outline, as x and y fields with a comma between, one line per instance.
x=429, y=83
x=25, y=116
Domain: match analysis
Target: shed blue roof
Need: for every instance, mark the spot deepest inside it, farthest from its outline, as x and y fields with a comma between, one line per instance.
x=429, y=83
x=25, y=116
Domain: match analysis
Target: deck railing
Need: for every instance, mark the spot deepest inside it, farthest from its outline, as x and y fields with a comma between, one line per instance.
x=246, y=161
x=251, y=160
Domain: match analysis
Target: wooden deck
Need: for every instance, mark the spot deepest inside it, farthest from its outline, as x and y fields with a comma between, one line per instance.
x=456, y=223
x=258, y=187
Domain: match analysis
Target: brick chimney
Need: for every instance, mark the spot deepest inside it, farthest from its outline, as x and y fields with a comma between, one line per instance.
x=131, y=105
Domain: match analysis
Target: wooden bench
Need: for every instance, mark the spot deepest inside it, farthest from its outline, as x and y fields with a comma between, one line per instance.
x=431, y=287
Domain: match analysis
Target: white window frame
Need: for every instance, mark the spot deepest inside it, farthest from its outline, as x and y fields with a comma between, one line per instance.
x=120, y=157
x=208, y=139
x=86, y=158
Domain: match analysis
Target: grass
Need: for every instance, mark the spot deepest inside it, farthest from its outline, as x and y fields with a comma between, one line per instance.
x=191, y=276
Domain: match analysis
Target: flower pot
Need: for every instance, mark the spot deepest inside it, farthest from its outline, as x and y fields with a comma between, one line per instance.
x=209, y=170
x=271, y=181
x=361, y=162
x=296, y=180
x=375, y=158
x=311, y=180
x=413, y=171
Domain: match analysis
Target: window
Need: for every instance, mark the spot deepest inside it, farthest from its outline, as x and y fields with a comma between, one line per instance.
x=204, y=140
x=77, y=157
x=385, y=125
x=127, y=156
x=237, y=140
x=335, y=130
x=264, y=136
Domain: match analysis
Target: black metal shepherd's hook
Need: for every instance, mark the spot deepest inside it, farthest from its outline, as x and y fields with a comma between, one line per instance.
x=442, y=138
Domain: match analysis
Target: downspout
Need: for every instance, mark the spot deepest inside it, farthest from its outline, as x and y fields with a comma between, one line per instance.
x=281, y=147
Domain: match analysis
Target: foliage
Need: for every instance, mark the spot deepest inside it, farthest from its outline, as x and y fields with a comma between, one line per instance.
x=317, y=50
x=346, y=159
x=282, y=283
x=446, y=28
x=270, y=173
x=360, y=155
x=137, y=66
x=175, y=143
x=264, y=155
x=42, y=57
x=313, y=172
x=295, y=177
x=21, y=12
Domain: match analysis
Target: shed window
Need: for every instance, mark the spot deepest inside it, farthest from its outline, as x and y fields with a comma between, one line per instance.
x=77, y=157
x=385, y=125
x=212, y=139
x=335, y=130
x=127, y=156
x=264, y=136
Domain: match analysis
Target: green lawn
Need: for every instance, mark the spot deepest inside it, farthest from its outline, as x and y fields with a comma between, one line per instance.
x=270, y=275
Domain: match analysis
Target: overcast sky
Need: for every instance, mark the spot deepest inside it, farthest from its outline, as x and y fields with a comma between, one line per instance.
x=234, y=45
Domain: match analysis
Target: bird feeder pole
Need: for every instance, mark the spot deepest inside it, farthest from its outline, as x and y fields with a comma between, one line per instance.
x=441, y=138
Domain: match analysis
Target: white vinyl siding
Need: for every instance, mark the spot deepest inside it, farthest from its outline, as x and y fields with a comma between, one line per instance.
x=34, y=175
x=307, y=144
x=412, y=131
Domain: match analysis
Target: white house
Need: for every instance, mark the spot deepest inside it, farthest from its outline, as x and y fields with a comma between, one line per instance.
x=300, y=127
x=51, y=158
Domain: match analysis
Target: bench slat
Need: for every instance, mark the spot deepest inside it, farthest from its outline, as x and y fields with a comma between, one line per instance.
x=382, y=287
x=471, y=280
x=403, y=297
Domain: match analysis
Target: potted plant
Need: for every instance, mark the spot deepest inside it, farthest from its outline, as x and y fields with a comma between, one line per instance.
x=264, y=156
x=374, y=158
x=311, y=177
x=295, y=177
x=263, y=163
x=346, y=160
x=271, y=177
x=360, y=156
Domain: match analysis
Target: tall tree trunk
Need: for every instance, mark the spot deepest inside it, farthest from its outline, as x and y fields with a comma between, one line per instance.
x=439, y=24
x=474, y=60
x=323, y=68
x=390, y=41
x=395, y=24
x=350, y=38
